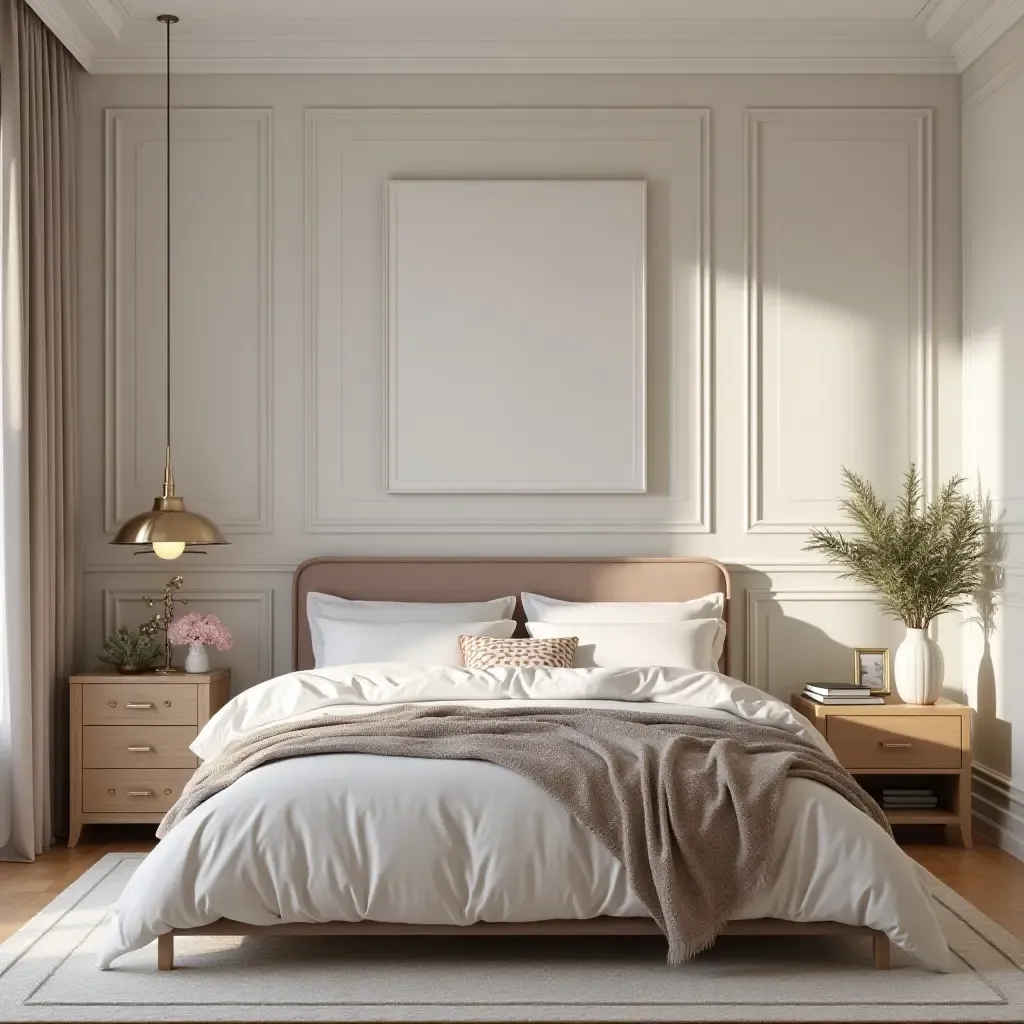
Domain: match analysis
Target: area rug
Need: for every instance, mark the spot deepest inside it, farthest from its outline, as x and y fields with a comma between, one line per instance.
x=48, y=973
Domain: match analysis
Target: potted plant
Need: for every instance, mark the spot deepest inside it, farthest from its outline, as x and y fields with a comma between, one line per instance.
x=129, y=651
x=197, y=631
x=921, y=558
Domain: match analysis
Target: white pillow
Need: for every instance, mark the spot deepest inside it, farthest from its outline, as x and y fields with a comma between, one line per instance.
x=549, y=609
x=416, y=643
x=326, y=606
x=696, y=644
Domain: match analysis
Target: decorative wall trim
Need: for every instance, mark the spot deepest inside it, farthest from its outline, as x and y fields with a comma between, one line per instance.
x=592, y=200
x=112, y=16
x=991, y=26
x=263, y=599
x=522, y=45
x=998, y=810
x=925, y=356
x=756, y=599
x=262, y=521
x=1010, y=508
x=657, y=120
x=736, y=566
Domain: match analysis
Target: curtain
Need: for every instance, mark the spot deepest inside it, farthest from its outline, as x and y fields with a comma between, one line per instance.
x=38, y=309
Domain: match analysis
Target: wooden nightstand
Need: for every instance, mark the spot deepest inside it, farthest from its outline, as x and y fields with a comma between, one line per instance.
x=897, y=744
x=130, y=737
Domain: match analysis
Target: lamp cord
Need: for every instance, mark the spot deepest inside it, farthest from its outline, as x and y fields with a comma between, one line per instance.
x=168, y=155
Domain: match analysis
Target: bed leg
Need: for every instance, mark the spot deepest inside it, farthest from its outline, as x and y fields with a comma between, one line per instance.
x=165, y=952
x=880, y=951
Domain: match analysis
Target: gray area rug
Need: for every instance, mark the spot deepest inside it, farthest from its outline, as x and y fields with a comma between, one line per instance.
x=47, y=973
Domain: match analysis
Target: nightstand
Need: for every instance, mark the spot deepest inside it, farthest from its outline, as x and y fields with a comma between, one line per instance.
x=130, y=737
x=897, y=744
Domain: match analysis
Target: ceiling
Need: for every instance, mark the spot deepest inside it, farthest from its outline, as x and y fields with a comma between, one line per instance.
x=531, y=36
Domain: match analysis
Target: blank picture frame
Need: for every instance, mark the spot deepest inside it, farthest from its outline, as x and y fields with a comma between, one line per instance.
x=516, y=337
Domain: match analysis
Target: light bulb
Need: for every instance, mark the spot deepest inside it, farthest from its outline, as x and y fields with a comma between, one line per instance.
x=168, y=548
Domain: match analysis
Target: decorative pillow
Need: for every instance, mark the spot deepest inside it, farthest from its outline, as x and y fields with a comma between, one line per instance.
x=486, y=652
x=539, y=608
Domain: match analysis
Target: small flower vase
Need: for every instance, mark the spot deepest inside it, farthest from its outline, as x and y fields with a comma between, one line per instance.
x=918, y=668
x=197, y=660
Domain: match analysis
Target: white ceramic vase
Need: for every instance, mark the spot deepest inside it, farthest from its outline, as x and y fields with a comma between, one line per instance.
x=918, y=668
x=197, y=660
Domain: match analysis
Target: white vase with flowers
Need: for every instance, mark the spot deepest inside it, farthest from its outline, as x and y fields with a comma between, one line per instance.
x=198, y=631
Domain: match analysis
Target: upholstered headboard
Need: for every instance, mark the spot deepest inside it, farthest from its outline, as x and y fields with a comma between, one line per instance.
x=477, y=579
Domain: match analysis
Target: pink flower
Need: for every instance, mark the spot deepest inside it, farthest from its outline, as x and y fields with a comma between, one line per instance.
x=195, y=628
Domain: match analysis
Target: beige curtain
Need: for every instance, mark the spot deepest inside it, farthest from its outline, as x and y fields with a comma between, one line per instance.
x=38, y=310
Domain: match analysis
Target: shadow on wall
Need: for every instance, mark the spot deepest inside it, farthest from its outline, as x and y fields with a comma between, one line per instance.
x=783, y=651
x=992, y=734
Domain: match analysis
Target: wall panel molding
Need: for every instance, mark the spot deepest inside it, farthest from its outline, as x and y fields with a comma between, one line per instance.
x=823, y=647
x=1007, y=509
x=129, y=423
x=474, y=316
x=338, y=496
x=843, y=126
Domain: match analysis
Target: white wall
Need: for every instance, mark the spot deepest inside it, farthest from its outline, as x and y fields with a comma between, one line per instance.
x=804, y=311
x=993, y=215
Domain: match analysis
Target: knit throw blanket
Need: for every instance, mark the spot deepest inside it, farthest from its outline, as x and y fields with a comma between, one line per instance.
x=686, y=804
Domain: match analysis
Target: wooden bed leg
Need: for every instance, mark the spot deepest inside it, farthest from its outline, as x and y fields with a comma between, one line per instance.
x=880, y=951
x=165, y=952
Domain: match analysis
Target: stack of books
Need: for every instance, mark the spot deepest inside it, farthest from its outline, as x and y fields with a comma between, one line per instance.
x=909, y=799
x=831, y=693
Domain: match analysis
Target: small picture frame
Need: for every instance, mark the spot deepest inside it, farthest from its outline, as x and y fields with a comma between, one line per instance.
x=871, y=668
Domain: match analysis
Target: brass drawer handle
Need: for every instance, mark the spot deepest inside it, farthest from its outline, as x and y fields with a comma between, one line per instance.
x=139, y=706
x=903, y=745
x=139, y=792
x=140, y=750
x=167, y=792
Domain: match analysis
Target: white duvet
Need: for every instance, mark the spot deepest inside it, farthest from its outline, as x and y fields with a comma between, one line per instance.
x=347, y=837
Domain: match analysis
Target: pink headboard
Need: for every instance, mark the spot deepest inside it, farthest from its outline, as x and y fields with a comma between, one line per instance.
x=478, y=579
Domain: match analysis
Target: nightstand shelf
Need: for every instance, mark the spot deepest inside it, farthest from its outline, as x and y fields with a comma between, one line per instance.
x=897, y=745
x=937, y=817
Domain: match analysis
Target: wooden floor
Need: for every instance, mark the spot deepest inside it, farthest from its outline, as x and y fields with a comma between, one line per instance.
x=989, y=878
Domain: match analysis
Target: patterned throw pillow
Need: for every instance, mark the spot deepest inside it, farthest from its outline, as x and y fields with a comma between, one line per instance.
x=490, y=652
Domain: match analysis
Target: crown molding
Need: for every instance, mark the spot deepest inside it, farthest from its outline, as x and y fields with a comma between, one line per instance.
x=967, y=28
x=105, y=41
x=111, y=15
x=986, y=30
x=946, y=37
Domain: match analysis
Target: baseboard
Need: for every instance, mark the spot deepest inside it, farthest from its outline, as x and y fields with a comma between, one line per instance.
x=998, y=810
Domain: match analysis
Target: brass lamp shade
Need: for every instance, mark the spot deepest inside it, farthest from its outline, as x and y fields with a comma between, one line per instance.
x=169, y=522
x=168, y=525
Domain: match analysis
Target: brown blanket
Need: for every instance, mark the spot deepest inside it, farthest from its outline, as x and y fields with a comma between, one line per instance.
x=687, y=805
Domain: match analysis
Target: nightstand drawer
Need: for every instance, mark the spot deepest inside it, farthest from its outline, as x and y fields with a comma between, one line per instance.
x=138, y=746
x=142, y=703
x=894, y=743
x=132, y=791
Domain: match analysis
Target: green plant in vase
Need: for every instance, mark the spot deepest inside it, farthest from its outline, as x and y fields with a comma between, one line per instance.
x=922, y=559
x=130, y=651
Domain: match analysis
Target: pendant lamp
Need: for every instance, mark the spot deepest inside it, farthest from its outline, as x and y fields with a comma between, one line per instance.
x=168, y=526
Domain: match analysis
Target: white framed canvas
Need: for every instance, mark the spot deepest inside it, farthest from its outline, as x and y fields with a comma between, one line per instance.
x=516, y=347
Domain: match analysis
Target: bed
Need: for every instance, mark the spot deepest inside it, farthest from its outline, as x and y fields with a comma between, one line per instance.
x=194, y=890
